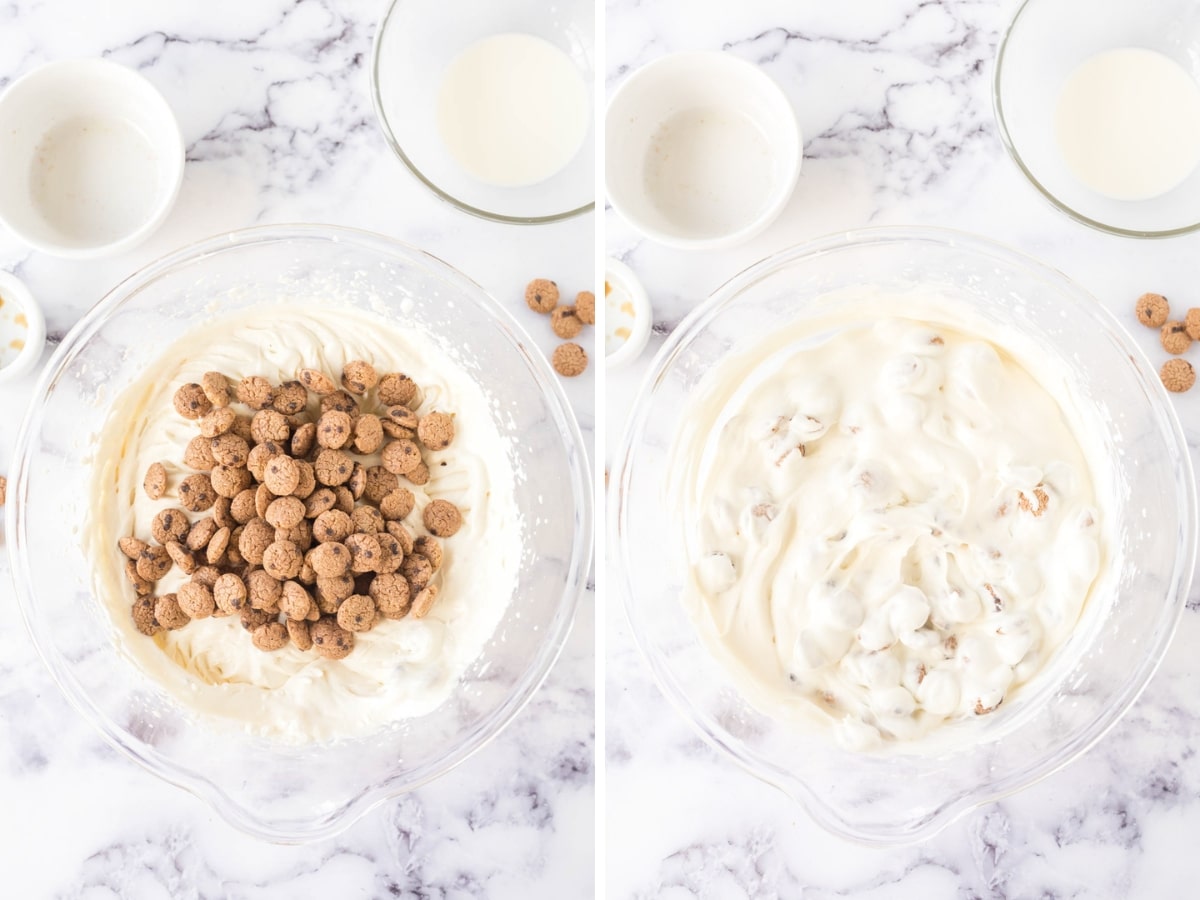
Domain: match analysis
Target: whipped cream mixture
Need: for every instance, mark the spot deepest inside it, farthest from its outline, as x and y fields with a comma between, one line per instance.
x=400, y=668
x=891, y=526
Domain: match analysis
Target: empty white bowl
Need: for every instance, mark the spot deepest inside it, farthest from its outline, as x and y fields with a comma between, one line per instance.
x=93, y=158
x=702, y=150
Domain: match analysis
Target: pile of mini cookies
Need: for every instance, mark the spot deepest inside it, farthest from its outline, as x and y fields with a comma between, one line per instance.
x=293, y=534
x=569, y=359
x=1154, y=311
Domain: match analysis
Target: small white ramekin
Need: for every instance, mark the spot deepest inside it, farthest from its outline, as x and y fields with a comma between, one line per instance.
x=93, y=158
x=730, y=166
x=625, y=284
x=21, y=320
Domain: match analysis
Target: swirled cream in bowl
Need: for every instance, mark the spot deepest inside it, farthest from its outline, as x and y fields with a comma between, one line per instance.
x=905, y=522
x=893, y=524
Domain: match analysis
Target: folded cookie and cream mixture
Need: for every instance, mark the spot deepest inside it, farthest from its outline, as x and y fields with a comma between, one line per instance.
x=891, y=524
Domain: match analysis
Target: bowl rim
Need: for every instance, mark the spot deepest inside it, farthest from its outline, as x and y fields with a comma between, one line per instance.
x=792, y=156
x=172, y=149
x=236, y=813
x=392, y=142
x=796, y=789
x=1010, y=148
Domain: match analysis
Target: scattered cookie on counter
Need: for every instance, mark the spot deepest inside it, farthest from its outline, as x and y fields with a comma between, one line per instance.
x=300, y=530
x=585, y=306
x=1174, y=338
x=569, y=360
x=3, y=490
x=567, y=322
x=1192, y=322
x=542, y=295
x=1153, y=310
x=1178, y=375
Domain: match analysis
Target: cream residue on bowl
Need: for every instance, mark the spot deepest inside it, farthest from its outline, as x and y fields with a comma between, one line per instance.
x=892, y=524
x=399, y=669
x=710, y=170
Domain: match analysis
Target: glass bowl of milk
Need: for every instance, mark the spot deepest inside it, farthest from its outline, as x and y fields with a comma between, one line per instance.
x=490, y=104
x=1098, y=104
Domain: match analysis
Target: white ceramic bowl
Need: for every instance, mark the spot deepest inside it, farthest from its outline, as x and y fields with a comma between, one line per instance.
x=636, y=318
x=22, y=328
x=702, y=150
x=93, y=158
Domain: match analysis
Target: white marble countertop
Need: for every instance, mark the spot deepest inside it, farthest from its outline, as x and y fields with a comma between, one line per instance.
x=894, y=99
x=273, y=100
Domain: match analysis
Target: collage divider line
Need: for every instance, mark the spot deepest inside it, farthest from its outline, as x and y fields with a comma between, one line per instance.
x=599, y=542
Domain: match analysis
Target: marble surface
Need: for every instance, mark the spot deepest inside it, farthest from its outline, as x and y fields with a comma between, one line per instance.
x=273, y=100
x=894, y=102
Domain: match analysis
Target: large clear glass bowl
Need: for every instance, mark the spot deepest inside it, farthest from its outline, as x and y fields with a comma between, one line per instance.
x=278, y=792
x=417, y=40
x=902, y=796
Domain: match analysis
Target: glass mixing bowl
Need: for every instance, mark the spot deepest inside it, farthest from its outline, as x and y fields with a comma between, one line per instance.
x=274, y=791
x=416, y=41
x=1046, y=41
x=905, y=795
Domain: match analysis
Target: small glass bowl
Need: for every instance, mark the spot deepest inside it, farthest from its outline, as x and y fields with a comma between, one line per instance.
x=907, y=795
x=1046, y=42
x=417, y=40
x=275, y=791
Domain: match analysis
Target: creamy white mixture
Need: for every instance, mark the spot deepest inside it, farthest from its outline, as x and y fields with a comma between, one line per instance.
x=513, y=109
x=891, y=526
x=400, y=668
x=1128, y=123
